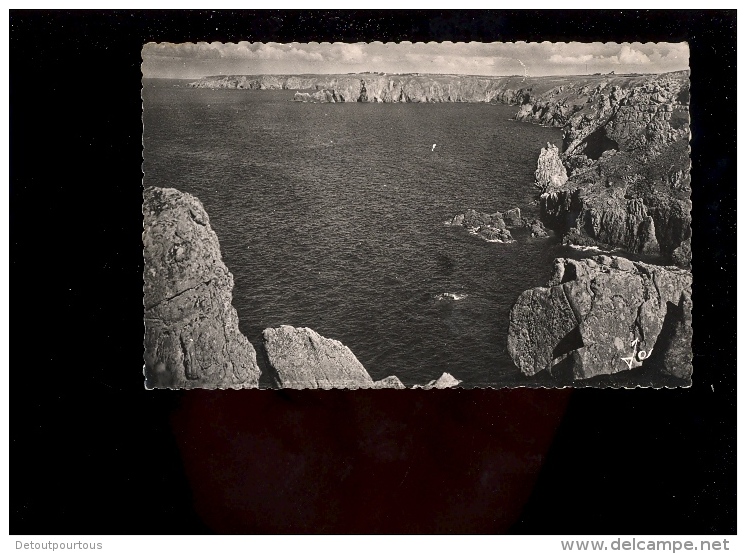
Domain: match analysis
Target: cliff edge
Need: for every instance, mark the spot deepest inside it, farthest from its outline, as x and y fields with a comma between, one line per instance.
x=192, y=338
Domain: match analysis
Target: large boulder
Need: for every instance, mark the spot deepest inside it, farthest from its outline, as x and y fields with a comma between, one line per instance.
x=300, y=358
x=597, y=312
x=192, y=338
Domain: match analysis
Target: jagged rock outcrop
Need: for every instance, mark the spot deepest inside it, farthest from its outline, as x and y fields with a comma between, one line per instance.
x=626, y=146
x=445, y=381
x=586, y=319
x=490, y=227
x=550, y=173
x=495, y=226
x=300, y=358
x=192, y=338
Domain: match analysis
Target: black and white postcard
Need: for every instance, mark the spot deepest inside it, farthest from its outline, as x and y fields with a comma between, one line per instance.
x=416, y=215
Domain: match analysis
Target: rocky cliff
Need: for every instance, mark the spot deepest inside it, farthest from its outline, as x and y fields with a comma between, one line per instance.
x=626, y=150
x=191, y=329
x=372, y=87
x=604, y=315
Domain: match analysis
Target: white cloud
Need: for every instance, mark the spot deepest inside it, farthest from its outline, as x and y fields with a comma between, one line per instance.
x=570, y=60
x=631, y=56
x=240, y=50
x=346, y=53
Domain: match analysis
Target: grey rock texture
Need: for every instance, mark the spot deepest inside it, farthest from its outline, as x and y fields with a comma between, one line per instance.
x=591, y=312
x=192, y=338
x=300, y=358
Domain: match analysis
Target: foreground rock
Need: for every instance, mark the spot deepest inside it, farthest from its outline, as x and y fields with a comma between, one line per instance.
x=587, y=319
x=445, y=381
x=300, y=358
x=191, y=329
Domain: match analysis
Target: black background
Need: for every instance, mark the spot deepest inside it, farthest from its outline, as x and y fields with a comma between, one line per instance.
x=92, y=452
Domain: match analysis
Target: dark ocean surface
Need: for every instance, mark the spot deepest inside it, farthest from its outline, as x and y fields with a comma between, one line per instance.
x=331, y=216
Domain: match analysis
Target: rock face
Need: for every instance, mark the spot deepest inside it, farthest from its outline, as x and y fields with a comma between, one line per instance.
x=626, y=147
x=191, y=329
x=592, y=311
x=300, y=358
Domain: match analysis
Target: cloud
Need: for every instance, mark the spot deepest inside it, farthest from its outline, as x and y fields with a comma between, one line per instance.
x=451, y=61
x=545, y=58
x=570, y=60
x=631, y=56
x=346, y=53
x=240, y=50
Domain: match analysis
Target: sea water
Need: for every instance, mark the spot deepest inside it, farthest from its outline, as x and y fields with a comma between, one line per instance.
x=332, y=216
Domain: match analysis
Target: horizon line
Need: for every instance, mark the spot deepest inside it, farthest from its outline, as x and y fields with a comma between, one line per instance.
x=416, y=73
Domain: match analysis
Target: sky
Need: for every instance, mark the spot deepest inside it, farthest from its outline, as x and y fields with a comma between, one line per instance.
x=190, y=60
